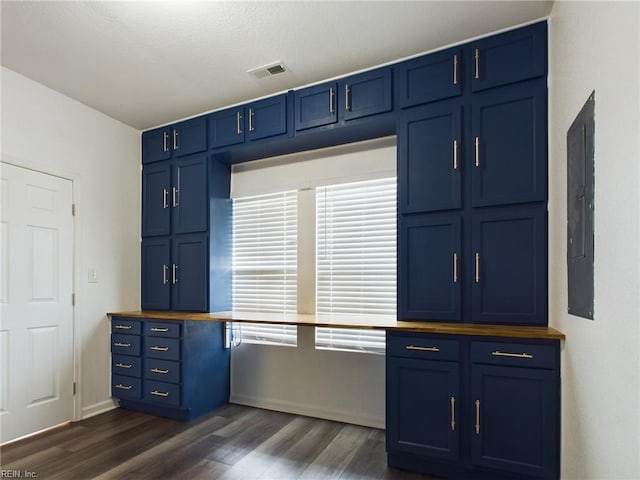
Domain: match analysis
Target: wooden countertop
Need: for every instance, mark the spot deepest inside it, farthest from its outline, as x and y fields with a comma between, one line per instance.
x=379, y=322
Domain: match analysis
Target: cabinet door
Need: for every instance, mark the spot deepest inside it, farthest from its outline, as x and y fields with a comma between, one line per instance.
x=515, y=414
x=422, y=407
x=227, y=127
x=190, y=200
x=316, y=106
x=365, y=94
x=189, y=137
x=509, y=133
x=429, y=156
x=156, y=145
x=509, y=57
x=429, y=78
x=190, y=272
x=156, y=199
x=267, y=118
x=155, y=274
x=430, y=267
x=510, y=266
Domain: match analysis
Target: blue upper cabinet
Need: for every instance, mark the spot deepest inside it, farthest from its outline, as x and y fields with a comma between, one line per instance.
x=365, y=94
x=430, y=157
x=178, y=140
x=266, y=118
x=509, y=265
x=509, y=57
x=227, y=127
x=429, y=78
x=316, y=106
x=509, y=135
x=156, y=274
x=156, y=199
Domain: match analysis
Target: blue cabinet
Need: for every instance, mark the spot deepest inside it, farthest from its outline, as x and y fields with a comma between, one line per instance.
x=365, y=94
x=430, y=277
x=227, y=127
x=180, y=370
x=509, y=265
x=505, y=424
x=184, y=138
x=156, y=199
x=430, y=158
x=175, y=273
x=509, y=131
x=316, y=106
x=429, y=78
x=509, y=57
x=267, y=118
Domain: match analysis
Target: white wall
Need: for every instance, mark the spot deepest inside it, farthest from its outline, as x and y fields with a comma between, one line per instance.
x=595, y=46
x=47, y=131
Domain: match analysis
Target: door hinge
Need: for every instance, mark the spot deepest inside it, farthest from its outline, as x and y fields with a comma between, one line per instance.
x=73, y=209
x=73, y=299
x=74, y=388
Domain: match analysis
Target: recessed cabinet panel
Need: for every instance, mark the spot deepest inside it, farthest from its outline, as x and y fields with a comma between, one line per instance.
x=227, y=127
x=156, y=145
x=515, y=418
x=267, y=118
x=365, y=94
x=190, y=198
x=429, y=78
x=316, y=106
x=156, y=273
x=423, y=407
x=509, y=265
x=509, y=57
x=430, y=273
x=156, y=199
x=190, y=287
x=430, y=158
x=509, y=145
x=189, y=137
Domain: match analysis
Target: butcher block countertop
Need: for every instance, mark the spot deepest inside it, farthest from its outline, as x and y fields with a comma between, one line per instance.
x=375, y=322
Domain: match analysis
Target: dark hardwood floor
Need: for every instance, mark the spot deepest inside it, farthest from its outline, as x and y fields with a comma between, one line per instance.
x=232, y=443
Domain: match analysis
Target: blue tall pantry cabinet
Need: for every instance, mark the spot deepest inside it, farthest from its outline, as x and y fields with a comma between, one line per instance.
x=481, y=401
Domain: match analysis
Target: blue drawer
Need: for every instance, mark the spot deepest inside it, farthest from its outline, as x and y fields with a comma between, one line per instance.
x=514, y=354
x=429, y=347
x=125, y=344
x=126, y=365
x=125, y=325
x=162, y=370
x=162, y=329
x=162, y=348
x=126, y=387
x=160, y=392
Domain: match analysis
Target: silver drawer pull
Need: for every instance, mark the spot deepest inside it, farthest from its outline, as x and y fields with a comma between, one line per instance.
x=157, y=370
x=123, y=327
x=422, y=349
x=156, y=329
x=160, y=349
x=123, y=365
x=120, y=344
x=160, y=394
x=124, y=387
x=498, y=353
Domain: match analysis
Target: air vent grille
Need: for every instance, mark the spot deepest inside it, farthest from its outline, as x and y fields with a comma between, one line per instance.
x=268, y=70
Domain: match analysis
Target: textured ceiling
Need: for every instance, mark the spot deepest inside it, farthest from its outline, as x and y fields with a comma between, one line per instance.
x=150, y=63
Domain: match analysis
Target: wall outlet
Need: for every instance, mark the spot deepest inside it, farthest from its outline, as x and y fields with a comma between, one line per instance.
x=92, y=276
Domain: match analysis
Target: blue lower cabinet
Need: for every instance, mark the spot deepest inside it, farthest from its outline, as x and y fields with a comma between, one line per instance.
x=459, y=407
x=180, y=370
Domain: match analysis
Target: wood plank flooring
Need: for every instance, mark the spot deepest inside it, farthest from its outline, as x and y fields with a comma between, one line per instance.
x=232, y=443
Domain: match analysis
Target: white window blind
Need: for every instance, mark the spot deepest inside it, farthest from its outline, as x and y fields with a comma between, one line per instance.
x=265, y=263
x=356, y=259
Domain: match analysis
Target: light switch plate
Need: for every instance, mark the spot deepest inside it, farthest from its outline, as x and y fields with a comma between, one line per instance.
x=92, y=275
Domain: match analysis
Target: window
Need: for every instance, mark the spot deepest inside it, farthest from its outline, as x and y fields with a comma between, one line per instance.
x=356, y=259
x=265, y=263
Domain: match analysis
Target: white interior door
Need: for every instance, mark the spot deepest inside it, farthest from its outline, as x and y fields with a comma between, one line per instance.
x=36, y=321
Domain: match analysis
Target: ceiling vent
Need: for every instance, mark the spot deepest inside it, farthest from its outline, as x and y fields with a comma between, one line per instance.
x=268, y=70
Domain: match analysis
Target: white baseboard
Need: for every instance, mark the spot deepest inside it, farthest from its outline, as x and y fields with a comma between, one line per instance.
x=308, y=410
x=98, y=408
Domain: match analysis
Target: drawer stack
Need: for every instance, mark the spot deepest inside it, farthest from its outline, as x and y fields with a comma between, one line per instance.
x=177, y=369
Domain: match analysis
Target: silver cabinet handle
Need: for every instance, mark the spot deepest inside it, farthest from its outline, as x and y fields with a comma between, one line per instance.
x=251, y=129
x=124, y=387
x=175, y=140
x=455, y=268
x=157, y=370
x=477, y=417
x=174, y=273
x=160, y=394
x=477, y=143
x=165, y=193
x=423, y=349
x=164, y=274
x=165, y=137
x=123, y=345
x=453, y=413
x=158, y=329
x=332, y=95
x=175, y=197
x=477, y=267
x=238, y=127
x=498, y=353
x=159, y=349
x=455, y=69
x=455, y=154
x=122, y=327
x=347, y=91
x=124, y=365
x=477, y=56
